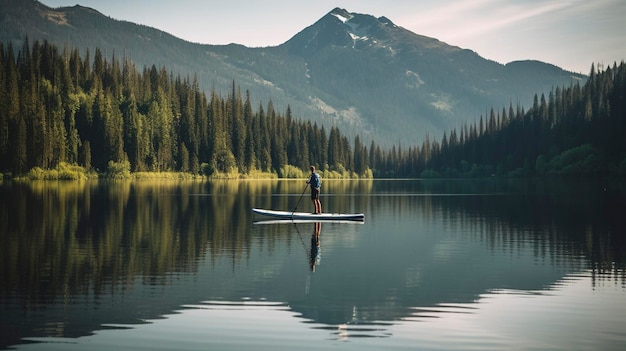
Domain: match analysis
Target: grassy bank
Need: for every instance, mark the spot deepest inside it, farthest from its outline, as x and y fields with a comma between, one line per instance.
x=121, y=170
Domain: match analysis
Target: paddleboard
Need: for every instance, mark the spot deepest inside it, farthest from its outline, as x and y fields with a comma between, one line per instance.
x=309, y=216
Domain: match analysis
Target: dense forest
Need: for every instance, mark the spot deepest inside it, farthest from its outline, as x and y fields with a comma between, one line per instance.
x=62, y=108
x=575, y=131
x=59, y=108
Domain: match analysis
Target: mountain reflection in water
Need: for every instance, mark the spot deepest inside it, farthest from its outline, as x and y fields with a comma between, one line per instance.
x=88, y=259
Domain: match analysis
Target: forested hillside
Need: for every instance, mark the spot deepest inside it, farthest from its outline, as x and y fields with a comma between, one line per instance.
x=576, y=130
x=62, y=108
x=362, y=74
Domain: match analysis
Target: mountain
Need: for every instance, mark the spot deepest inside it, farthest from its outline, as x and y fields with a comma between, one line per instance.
x=363, y=74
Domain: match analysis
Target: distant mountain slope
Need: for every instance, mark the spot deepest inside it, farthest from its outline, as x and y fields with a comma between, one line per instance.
x=364, y=74
x=401, y=80
x=86, y=28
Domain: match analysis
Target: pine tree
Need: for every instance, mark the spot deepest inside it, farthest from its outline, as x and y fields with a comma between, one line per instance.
x=360, y=156
x=251, y=144
x=238, y=130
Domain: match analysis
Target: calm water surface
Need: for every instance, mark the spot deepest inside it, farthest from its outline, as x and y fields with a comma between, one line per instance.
x=437, y=265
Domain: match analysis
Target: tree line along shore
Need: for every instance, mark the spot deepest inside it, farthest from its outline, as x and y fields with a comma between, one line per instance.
x=67, y=116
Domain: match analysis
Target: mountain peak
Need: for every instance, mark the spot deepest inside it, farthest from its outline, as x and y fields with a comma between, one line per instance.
x=341, y=28
x=341, y=14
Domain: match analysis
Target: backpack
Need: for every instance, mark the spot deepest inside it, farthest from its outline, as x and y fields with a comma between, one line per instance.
x=315, y=180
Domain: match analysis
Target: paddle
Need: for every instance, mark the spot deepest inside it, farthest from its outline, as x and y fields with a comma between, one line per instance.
x=298, y=203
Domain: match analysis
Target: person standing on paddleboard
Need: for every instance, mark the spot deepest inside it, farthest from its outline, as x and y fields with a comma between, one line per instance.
x=316, y=183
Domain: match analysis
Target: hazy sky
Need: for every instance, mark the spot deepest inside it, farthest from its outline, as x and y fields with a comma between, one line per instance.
x=571, y=34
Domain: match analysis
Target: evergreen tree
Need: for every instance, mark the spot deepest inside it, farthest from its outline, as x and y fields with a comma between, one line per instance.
x=251, y=144
x=238, y=130
x=360, y=156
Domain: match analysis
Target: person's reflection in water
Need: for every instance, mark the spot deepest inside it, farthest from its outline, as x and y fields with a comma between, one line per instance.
x=314, y=258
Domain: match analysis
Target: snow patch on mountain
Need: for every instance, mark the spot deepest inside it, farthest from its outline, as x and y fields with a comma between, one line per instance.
x=351, y=115
x=442, y=102
x=413, y=79
x=321, y=105
x=307, y=72
x=341, y=17
x=357, y=31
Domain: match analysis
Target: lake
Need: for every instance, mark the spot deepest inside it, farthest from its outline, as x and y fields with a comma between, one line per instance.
x=436, y=265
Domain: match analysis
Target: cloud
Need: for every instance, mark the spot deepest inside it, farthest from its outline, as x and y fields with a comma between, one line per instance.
x=569, y=33
x=457, y=21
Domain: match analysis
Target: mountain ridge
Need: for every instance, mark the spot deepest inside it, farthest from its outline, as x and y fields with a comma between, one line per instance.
x=363, y=74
